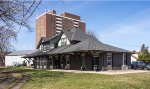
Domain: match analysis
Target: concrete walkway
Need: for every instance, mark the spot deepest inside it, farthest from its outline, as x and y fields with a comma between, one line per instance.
x=111, y=72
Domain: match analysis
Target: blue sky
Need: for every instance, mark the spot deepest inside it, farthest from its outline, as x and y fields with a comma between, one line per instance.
x=122, y=24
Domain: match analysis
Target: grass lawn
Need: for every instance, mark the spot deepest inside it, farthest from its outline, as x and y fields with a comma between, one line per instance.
x=41, y=79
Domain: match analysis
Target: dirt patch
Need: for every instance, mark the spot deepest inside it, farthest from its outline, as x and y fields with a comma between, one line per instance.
x=12, y=79
x=5, y=80
x=21, y=82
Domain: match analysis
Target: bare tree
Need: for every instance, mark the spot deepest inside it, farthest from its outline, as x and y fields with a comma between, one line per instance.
x=92, y=33
x=6, y=37
x=17, y=12
x=14, y=14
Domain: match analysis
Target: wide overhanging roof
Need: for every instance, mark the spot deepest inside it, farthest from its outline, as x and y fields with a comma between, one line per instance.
x=85, y=43
x=92, y=45
x=37, y=53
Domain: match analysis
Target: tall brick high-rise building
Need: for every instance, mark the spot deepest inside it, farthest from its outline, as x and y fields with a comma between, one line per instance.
x=49, y=24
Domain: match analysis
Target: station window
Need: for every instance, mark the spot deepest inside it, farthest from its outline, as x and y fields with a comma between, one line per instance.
x=64, y=41
x=109, y=59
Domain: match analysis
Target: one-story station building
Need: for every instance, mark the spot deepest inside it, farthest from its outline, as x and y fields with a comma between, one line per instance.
x=76, y=50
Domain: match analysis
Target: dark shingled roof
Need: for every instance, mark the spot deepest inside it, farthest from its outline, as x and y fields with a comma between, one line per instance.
x=21, y=52
x=51, y=38
x=53, y=51
x=86, y=43
x=37, y=53
x=90, y=45
x=58, y=49
x=76, y=35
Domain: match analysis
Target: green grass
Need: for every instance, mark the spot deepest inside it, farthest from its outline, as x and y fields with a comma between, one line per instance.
x=41, y=79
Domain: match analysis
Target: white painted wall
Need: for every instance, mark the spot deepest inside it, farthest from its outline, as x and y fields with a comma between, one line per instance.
x=12, y=60
x=63, y=36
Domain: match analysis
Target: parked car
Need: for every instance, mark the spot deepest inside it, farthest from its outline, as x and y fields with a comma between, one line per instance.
x=138, y=65
x=148, y=67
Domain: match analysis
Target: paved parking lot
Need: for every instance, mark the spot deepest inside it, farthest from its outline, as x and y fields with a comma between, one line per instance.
x=110, y=72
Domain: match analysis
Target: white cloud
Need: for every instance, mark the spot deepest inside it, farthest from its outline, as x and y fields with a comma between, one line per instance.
x=130, y=33
x=136, y=24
